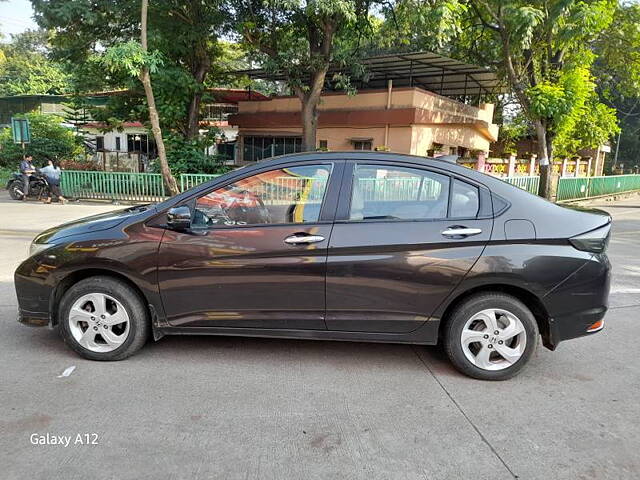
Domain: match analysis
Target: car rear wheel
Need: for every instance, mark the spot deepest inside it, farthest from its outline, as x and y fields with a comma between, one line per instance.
x=102, y=318
x=491, y=336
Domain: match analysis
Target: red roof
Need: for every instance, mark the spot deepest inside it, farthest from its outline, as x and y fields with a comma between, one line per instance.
x=235, y=95
x=103, y=125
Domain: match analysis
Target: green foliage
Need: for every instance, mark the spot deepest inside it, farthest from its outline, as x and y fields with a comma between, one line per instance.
x=49, y=140
x=618, y=51
x=420, y=25
x=25, y=68
x=77, y=111
x=130, y=58
x=188, y=156
x=594, y=124
x=513, y=130
x=522, y=21
x=562, y=102
x=296, y=37
x=101, y=39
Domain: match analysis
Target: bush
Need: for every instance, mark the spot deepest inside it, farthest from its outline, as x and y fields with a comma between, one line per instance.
x=49, y=140
x=188, y=156
x=6, y=174
x=78, y=164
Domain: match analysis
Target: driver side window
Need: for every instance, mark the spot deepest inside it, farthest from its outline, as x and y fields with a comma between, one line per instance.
x=282, y=196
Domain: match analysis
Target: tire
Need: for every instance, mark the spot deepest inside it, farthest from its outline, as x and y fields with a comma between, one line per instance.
x=476, y=350
x=106, y=337
x=14, y=186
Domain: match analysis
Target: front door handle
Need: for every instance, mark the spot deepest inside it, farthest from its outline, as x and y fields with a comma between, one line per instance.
x=303, y=239
x=461, y=232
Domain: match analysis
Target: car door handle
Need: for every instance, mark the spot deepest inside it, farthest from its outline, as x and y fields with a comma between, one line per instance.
x=303, y=239
x=461, y=232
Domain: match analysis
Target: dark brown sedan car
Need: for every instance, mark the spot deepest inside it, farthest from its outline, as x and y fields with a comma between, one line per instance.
x=338, y=246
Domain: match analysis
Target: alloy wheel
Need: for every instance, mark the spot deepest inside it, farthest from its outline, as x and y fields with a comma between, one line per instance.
x=493, y=339
x=99, y=322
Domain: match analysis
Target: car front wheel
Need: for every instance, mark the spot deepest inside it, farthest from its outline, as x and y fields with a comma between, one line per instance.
x=491, y=336
x=102, y=318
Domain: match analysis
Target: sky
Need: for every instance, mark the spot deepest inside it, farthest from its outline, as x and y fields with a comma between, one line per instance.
x=15, y=17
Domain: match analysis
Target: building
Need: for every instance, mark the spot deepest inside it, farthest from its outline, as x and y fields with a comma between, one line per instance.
x=417, y=103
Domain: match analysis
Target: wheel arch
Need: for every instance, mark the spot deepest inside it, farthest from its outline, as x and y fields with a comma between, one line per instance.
x=531, y=301
x=77, y=275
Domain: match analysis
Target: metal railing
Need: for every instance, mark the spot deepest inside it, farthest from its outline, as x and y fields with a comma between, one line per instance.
x=530, y=184
x=587, y=187
x=190, y=180
x=137, y=187
x=149, y=187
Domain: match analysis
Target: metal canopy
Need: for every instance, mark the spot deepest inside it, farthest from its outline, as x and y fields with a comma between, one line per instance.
x=438, y=74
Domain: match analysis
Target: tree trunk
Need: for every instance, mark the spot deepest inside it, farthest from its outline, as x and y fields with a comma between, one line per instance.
x=544, y=188
x=309, y=125
x=203, y=64
x=145, y=78
x=193, y=119
x=310, y=101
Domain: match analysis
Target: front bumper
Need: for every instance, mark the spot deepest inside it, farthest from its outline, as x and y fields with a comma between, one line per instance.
x=33, y=319
x=34, y=287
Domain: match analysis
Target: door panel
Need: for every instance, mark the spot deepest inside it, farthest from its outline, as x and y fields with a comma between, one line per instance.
x=255, y=256
x=390, y=277
x=394, y=256
x=244, y=277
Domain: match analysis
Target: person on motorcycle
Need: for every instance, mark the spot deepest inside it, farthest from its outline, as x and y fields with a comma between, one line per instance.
x=26, y=169
x=52, y=172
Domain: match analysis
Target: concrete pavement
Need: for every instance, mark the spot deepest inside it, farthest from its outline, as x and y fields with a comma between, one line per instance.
x=215, y=407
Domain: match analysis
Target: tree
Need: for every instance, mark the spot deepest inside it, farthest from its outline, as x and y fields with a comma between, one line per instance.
x=545, y=53
x=25, y=68
x=185, y=31
x=617, y=69
x=138, y=61
x=298, y=38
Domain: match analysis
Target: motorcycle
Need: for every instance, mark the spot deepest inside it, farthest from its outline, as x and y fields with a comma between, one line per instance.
x=38, y=186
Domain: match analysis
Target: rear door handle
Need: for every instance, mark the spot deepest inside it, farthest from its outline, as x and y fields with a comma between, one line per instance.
x=298, y=239
x=461, y=232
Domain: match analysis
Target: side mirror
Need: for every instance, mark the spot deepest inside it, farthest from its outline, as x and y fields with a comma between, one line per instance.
x=179, y=218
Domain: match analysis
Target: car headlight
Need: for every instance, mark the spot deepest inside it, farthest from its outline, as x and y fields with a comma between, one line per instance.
x=38, y=247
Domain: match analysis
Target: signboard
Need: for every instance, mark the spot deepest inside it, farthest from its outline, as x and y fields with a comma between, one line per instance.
x=20, y=130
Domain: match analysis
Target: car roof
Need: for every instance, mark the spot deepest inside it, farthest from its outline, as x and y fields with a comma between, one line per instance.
x=359, y=155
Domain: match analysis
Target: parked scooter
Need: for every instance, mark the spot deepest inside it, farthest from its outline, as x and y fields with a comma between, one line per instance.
x=38, y=186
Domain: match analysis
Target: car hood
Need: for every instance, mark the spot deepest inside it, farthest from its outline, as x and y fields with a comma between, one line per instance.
x=94, y=223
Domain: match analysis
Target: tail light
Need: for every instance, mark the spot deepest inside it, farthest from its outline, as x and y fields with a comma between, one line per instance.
x=594, y=327
x=595, y=241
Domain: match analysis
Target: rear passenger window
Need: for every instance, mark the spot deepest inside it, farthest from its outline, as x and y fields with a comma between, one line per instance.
x=465, y=200
x=398, y=193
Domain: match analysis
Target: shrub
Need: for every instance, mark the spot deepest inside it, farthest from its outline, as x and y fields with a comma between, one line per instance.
x=49, y=140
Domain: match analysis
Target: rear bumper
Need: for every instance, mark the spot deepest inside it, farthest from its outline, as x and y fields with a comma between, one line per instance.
x=579, y=302
x=573, y=326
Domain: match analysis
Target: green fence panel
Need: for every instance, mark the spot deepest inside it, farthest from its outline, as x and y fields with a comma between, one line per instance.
x=573, y=188
x=587, y=187
x=530, y=184
x=189, y=180
x=149, y=187
x=141, y=187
